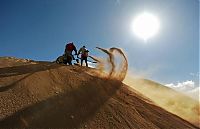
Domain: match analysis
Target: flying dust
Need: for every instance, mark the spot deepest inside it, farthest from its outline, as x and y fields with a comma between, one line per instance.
x=166, y=98
x=112, y=71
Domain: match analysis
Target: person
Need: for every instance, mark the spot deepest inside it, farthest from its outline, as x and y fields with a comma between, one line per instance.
x=84, y=54
x=69, y=48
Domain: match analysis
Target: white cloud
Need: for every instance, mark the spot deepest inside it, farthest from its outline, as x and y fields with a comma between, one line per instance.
x=187, y=87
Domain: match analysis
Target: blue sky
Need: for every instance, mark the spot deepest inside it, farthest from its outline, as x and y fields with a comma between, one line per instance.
x=39, y=30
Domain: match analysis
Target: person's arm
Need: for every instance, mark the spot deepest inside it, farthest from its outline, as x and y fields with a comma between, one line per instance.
x=65, y=48
x=75, y=50
x=80, y=50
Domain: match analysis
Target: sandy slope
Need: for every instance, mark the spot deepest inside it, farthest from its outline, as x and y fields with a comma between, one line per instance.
x=46, y=95
x=171, y=100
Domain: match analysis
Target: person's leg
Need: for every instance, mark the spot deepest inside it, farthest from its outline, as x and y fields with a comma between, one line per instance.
x=65, y=59
x=69, y=60
x=86, y=61
x=81, y=61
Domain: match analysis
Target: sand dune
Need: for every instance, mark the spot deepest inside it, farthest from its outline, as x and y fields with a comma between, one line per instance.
x=167, y=98
x=48, y=95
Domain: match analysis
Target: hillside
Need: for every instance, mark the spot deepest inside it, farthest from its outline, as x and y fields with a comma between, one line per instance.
x=167, y=98
x=48, y=95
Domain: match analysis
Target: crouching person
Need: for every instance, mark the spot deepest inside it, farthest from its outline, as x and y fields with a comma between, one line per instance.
x=68, y=57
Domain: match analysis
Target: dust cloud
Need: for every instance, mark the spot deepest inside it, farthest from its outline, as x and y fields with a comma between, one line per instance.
x=124, y=64
x=167, y=98
x=100, y=64
x=113, y=71
x=172, y=101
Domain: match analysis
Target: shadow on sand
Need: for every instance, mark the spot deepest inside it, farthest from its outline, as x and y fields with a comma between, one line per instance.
x=66, y=110
x=26, y=70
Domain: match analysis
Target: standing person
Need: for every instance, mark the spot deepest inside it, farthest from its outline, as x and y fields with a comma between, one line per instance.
x=69, y=48
x=84, y=54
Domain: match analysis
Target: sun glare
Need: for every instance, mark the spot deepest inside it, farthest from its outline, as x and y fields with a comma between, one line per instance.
x=145, y=26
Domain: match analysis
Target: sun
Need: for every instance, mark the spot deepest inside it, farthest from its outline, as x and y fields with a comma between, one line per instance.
x=145, y=26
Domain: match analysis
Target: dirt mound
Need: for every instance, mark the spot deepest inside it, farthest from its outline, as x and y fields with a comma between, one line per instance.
x=47, y=95
x=167, y=98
